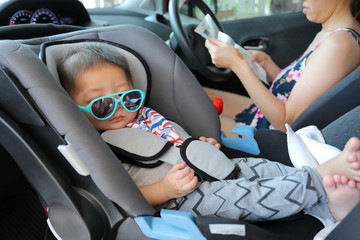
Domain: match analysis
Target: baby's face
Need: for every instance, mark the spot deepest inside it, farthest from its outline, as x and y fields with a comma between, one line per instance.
x=101, y=80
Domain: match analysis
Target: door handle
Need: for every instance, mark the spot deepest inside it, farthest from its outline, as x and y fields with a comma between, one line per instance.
x=259, y=48
x=260, y=44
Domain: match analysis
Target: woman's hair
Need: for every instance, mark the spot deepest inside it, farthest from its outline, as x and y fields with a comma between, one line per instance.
x=81, y=57
x=355, y=9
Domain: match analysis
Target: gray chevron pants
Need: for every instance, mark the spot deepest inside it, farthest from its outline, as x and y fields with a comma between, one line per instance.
x=264, y=190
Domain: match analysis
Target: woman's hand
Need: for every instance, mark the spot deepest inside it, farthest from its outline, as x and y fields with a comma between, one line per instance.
x=259, y=57
x=212, y=141
x=178, y=182
x=224, y=55
x=265, y=61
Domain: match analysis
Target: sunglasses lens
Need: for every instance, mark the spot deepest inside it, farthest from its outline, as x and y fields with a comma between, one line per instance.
x=103, y=107
x=132, y=101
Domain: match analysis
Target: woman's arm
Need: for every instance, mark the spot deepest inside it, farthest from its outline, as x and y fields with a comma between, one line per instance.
x=225, y=55
x=333, y=60
x=266, y=62
x=272, y=108
x=178, y=182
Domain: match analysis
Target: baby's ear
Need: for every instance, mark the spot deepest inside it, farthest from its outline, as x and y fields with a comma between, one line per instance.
x=71, y=91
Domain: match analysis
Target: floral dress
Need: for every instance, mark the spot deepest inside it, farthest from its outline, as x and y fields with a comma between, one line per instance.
x=281, y=88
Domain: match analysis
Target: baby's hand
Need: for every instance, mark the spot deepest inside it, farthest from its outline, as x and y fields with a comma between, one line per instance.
x=179, y=181
x=212, y=141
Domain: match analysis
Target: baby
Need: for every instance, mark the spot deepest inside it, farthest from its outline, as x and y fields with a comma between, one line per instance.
x=99, y=81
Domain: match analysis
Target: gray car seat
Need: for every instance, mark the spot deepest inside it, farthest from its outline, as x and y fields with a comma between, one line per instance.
x=28, y=87
x=38, y=118
x=95, y=198
x=332, y=104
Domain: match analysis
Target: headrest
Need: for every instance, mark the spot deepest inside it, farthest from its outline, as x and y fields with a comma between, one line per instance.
x=173, y=91
x=52, y=52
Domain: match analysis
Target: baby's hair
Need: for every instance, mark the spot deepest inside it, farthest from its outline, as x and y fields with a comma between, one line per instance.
x=82, y=57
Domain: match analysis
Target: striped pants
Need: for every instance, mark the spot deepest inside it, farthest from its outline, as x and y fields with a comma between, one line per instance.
x=264, y=190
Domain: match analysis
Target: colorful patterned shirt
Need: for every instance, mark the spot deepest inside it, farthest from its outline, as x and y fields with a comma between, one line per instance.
x=152, y=121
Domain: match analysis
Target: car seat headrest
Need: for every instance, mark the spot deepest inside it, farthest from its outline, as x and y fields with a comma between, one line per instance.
x=173, y=91
x=52, y=52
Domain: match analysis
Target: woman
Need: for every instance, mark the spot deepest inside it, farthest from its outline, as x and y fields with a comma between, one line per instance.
x=333, y=54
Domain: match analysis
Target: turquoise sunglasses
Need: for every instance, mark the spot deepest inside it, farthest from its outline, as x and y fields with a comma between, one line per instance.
x=104, y=107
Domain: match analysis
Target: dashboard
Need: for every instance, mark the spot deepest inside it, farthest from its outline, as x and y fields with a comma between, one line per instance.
x=23, y=19
x=68, y=12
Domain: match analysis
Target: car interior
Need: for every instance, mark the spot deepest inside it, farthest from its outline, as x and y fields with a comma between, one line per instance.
x=60, y=180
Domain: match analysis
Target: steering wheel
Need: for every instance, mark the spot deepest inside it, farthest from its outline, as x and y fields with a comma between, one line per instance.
x=193, y=45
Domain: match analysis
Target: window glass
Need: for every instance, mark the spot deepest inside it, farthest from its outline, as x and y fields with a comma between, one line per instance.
x=226, y=9
x=100, y=3
x=237, y=9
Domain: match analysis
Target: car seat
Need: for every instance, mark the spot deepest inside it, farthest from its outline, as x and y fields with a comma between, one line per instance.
x=85, y=190
x=51, y=123
x=340, y=99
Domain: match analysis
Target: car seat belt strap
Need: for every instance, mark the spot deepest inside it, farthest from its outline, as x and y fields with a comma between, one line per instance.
x=144, y=149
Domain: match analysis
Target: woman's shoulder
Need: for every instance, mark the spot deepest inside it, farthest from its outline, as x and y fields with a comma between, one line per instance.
x=340, y=43
x=344, y=37
x=339, y=52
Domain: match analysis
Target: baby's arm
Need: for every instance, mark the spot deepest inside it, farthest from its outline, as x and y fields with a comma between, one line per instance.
x=178, y=182
x=212, y=141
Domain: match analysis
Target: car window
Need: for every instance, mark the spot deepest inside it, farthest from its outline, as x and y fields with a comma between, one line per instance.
x=226, y=9
x=238, y=9
x=101, y=3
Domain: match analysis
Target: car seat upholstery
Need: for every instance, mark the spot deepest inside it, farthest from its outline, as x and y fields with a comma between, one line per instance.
x=93, y=197
x=335, y=102
x=38, y=117
x=343, y=128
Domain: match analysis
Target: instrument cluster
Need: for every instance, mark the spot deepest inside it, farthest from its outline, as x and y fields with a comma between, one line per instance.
x=60, y=12
x=42, y=15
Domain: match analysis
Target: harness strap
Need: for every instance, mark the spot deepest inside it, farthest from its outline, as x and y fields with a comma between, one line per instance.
x=141, y=148
x=144, y=149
